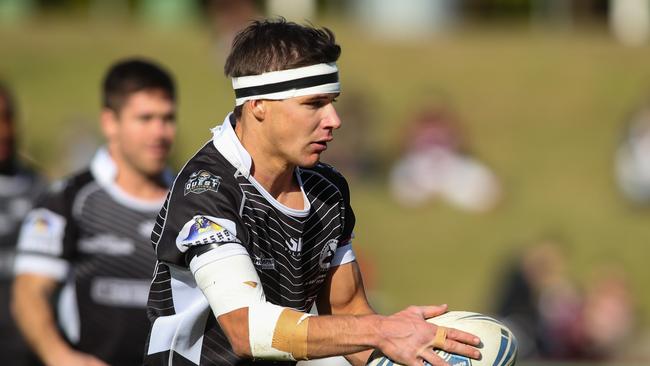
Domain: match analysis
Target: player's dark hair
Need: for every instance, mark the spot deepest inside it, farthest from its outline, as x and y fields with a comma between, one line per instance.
x=133, y=75
x=9, y=112
x=276, y=44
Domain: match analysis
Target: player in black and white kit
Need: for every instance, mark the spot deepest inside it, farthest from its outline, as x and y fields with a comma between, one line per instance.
x=255, y=230
x=19, y=188
x=85, y=246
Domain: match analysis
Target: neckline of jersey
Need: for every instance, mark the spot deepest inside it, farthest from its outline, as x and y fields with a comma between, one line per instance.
x=227, y=143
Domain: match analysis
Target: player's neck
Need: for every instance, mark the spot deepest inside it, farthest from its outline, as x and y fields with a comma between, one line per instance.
x=137, y=184
x=276, y=181
x=276, y=175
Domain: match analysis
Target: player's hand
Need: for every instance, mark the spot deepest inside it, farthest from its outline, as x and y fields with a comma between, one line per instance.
x=408, y=337
x=74, y=358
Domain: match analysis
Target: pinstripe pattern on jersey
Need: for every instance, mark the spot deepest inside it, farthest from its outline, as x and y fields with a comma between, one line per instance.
x=98, y=216
x=298, y=275
x=160, y=293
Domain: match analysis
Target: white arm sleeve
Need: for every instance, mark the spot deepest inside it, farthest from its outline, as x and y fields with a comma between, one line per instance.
x=344, y=254
x=229, y=283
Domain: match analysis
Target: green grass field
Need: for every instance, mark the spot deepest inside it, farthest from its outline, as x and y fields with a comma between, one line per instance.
x=544, y=109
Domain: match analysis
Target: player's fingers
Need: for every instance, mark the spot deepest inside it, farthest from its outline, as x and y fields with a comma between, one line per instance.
x=431, y=358
x=463, y=337
x=457, y=348
x=431, y=311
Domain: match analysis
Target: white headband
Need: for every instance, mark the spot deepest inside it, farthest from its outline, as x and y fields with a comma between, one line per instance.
x=284, y=84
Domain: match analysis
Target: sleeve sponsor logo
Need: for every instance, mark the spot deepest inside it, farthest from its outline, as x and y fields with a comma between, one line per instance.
x=202, y=181
x=42, y=232
x=206, y=230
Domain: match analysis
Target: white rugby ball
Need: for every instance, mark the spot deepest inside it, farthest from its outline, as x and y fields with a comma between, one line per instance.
x=498, y=344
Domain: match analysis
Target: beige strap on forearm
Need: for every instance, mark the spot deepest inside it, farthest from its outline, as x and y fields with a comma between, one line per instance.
x=290, y=333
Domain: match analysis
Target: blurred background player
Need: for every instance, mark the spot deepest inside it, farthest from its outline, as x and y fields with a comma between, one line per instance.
x=436, y=164
x=633, y=158
x=555, y=319
x=86, y=244
x=541, y=303
x=19, y=187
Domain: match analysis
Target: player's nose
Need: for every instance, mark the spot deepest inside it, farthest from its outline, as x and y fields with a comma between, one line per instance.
x=331, y=117
x=162, y=127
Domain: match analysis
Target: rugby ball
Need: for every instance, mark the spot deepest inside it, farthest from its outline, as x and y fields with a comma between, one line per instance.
x=498, y=344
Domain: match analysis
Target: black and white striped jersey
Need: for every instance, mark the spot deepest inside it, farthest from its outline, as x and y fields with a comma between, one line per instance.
x=94, y=238
x=18, y=192
x=215, y=202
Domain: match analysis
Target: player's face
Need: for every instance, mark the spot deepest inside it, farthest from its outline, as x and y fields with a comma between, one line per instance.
x=143, y=131
x=301, y=127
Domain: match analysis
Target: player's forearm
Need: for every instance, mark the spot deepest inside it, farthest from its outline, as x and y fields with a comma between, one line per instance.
x=35, y=319
x=344, y=294
x=342, y=334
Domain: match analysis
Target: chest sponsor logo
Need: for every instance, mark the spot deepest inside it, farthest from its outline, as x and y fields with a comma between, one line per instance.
x=294, y=245
x=120, y=292
x=264, y=263
x=327, y=254
x=202, y=181
x=107, y=244
x=204, y=230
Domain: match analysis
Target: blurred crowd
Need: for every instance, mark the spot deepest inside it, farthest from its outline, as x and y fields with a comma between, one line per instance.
x=556, y=319
x=553, y=317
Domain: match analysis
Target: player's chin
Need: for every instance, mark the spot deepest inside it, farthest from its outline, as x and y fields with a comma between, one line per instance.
x=153, y=168
x=310, y=161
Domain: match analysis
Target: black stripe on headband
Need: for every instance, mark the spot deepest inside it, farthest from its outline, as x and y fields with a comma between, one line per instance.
x=301, y=83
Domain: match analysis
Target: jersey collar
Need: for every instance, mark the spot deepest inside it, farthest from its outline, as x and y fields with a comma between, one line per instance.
x=104, y=169
x=226, y=142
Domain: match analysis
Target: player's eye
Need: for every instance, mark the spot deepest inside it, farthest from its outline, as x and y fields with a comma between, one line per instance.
x=318, y=103
x=145, y=117
x=169, y=118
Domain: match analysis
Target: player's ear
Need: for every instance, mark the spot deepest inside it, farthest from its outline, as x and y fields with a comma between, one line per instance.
x=258, y=108
x=109, y=123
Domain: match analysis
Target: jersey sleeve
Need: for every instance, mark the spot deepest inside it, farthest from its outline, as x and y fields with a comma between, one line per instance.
x=201, y=214
x=46, y=242
x=349, y=218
